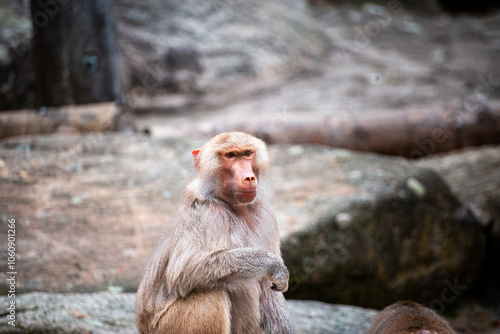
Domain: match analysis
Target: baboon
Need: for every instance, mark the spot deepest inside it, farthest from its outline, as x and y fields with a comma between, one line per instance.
x=407, y=317
x=218, y=267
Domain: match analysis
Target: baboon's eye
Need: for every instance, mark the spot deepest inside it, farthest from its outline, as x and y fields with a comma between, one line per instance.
x=247, y=153
x=230, y=155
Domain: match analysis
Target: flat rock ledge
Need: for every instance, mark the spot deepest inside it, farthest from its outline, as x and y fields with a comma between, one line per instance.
x=106, y=312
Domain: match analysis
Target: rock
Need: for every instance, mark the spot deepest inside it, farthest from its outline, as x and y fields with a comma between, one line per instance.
x=104, y=312
x=195, y=45
x=312, y=317
x=92, y=207
x=357, y=228
x=474, y=177
x=425, y=6
x=98, y=313
x=369, y=230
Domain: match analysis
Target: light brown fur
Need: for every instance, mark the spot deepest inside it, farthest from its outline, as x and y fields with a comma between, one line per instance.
x=407, y=317
x=219, y=261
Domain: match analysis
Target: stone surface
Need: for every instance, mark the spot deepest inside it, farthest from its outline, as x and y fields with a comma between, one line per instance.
x=194, y=46
x=88, y=209
x=98, y=313
x=474, y=177
x=376, y=230
x=106, y=313
x=312, y=317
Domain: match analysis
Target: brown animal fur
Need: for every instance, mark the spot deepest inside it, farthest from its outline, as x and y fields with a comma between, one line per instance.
x=219, y=261
x=407, y=317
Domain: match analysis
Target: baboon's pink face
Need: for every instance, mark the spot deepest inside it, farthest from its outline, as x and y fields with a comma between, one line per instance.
x=239, y=176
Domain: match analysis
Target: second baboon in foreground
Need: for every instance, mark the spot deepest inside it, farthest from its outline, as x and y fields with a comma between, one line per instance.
x=407, y=317
x=218, y=268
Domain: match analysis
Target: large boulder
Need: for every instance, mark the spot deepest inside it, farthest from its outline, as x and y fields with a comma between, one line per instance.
x=474, y=177
x=368, y=230
x=194, y=45
x=106, y=313
x=357, y=228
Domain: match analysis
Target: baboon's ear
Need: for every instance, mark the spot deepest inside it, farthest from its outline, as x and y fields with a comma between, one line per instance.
x=195, y=154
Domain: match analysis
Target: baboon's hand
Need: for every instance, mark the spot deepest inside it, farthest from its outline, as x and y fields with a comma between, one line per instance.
x=278, y=274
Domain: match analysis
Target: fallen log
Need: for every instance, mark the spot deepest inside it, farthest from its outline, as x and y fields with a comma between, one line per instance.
x=412, y=133
x=76, y=118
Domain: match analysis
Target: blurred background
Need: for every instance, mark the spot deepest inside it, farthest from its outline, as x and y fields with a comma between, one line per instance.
x=383, y=124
